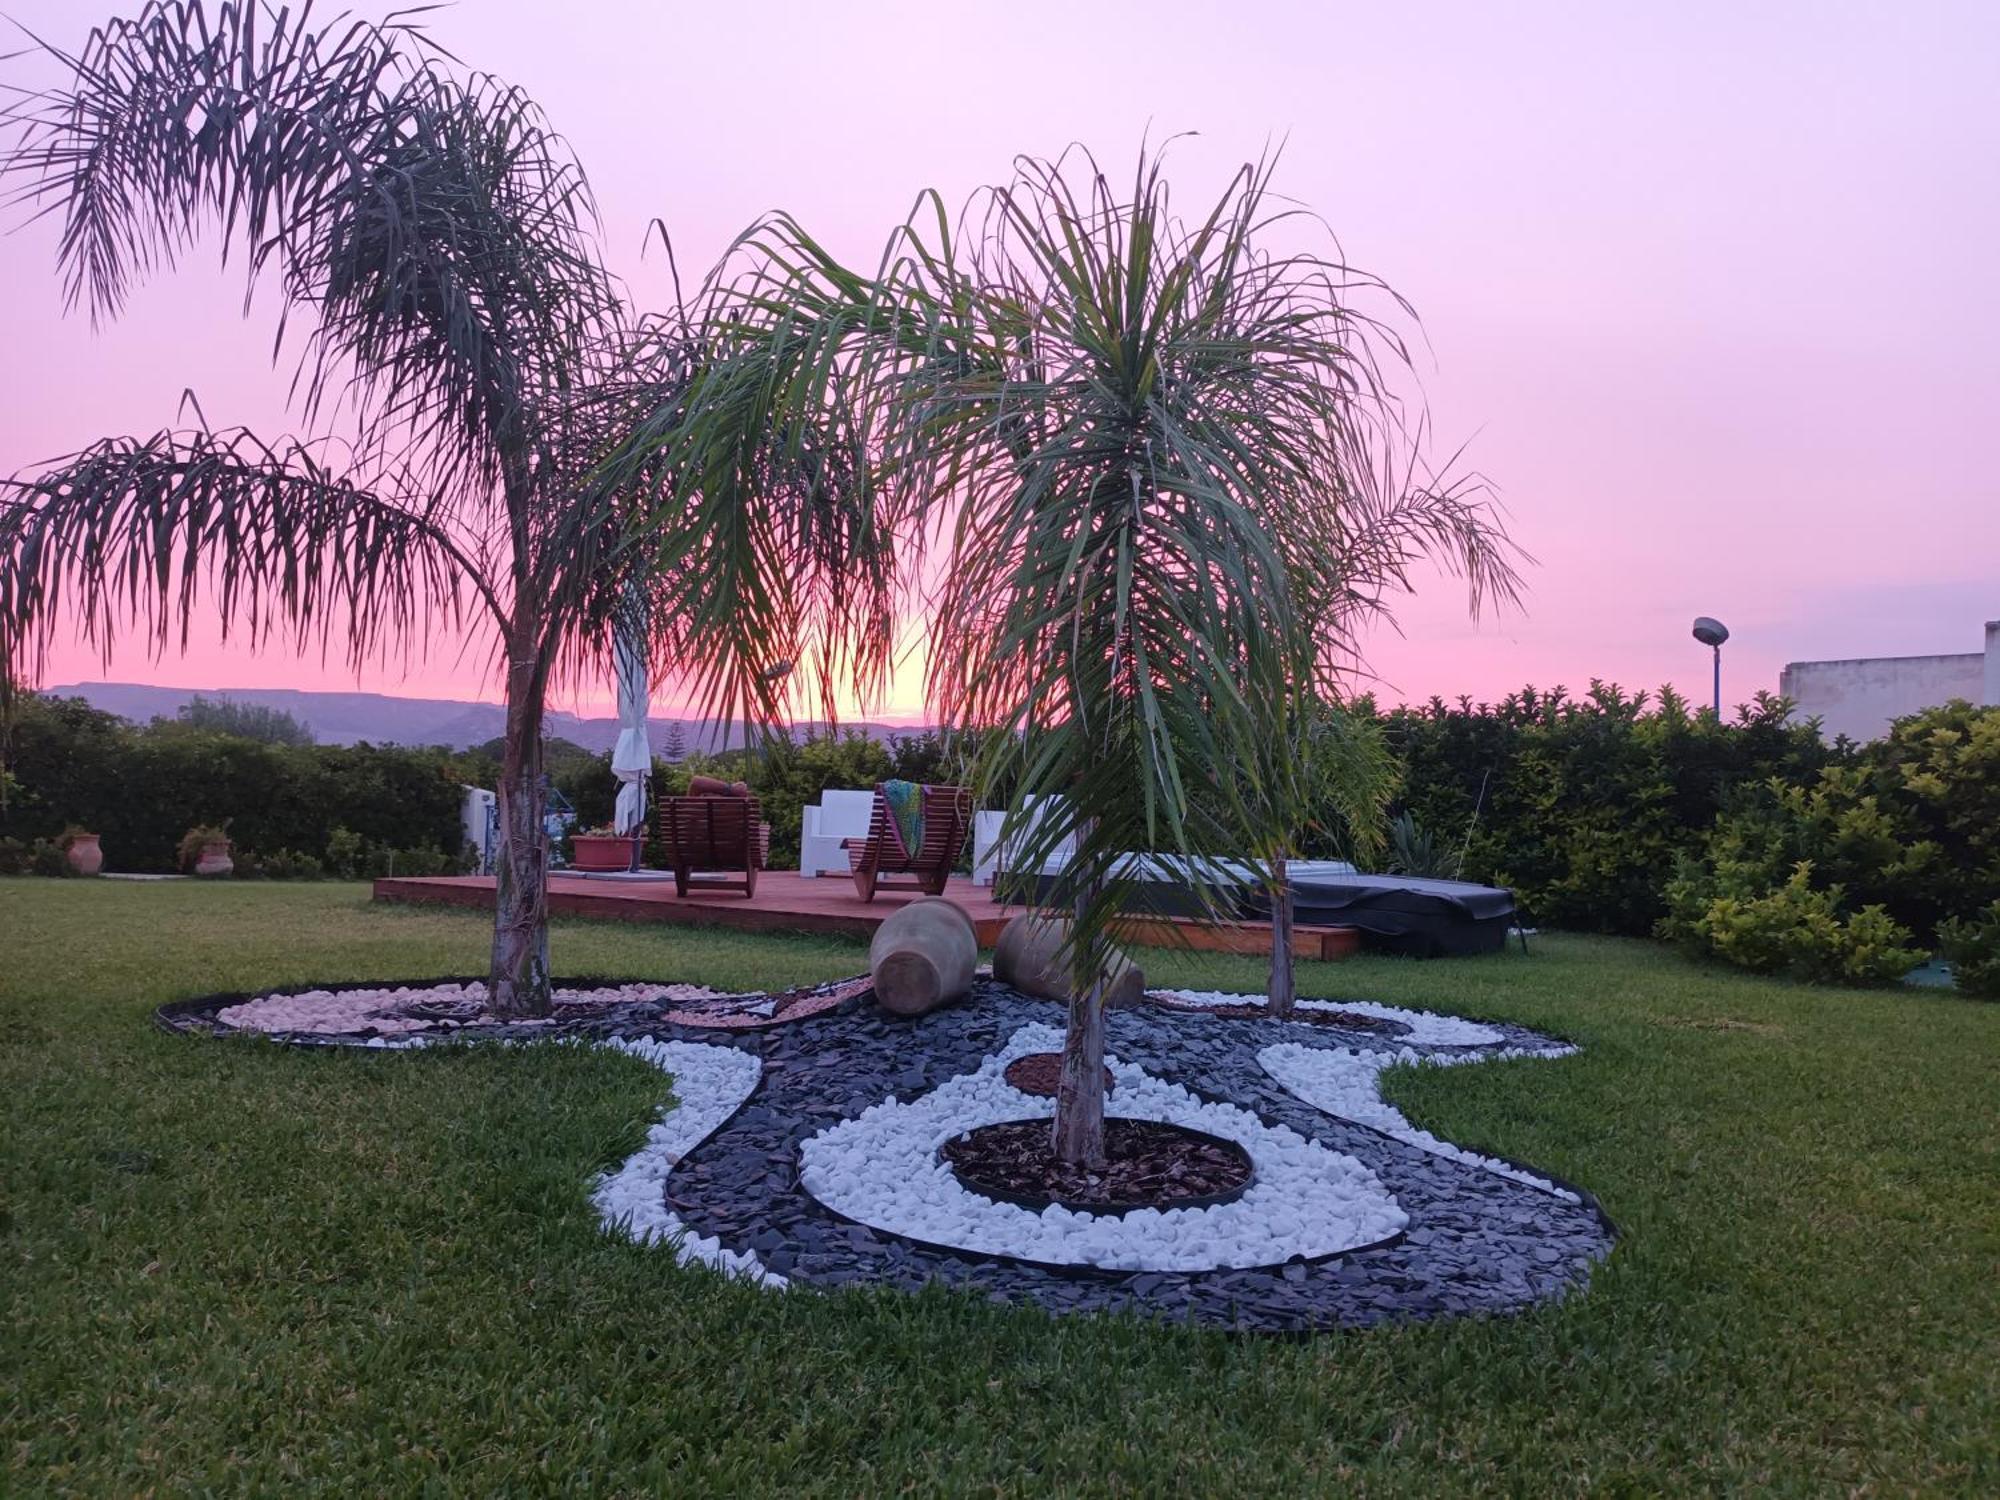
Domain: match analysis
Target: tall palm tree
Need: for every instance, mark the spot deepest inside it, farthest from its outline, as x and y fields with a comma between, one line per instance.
x=1164, y=469
x=479, y=365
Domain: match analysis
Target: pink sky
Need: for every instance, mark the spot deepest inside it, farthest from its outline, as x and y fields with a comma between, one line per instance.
x=1708, y=289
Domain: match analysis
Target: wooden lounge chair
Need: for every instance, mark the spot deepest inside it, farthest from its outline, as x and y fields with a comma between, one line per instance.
x=716, y=836
x=947, y=812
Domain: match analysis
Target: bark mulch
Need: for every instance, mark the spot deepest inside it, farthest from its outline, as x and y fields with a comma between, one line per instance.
x=1038, y=1073
x=1148, y=1164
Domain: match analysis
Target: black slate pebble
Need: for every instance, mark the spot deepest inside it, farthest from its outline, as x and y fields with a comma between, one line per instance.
x=1476, y=1243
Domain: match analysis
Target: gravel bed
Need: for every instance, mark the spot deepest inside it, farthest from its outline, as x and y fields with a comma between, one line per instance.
x=406, y=1010
x=1348, y=1084
x=1420, y=1028
x=710, y=1085
x=723, y=1176
x=881, y=1169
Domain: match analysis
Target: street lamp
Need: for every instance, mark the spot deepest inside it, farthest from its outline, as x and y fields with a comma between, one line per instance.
x=1713, y=633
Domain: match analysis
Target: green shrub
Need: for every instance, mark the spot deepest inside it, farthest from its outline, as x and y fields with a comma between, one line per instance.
x=351, y=857
x=1581, y=806
x=194, y=841
x=15, y=857
x=344, y=850
x=786, y=777
x=1898, y=843
x=285, y=864
x=46, y=857
x=1794, y=928
x=1972, y=948
x=419, y=862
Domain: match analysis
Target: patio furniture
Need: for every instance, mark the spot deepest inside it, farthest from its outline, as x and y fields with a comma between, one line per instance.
x=712, y=842
x=991, y=860
x=826, y=826
x=945, y=817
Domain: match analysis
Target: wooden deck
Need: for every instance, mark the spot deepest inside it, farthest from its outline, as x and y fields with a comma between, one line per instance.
x=787, y=901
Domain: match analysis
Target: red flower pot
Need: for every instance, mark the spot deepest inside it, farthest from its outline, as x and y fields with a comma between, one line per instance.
x=600, y=852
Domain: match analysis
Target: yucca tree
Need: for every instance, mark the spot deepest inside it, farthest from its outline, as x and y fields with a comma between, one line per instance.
x=479, y=366
x=1153, y=454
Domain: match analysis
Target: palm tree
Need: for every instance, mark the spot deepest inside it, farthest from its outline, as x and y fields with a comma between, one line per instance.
x=1332, y=775
x=479, y=366
x=1159, y=460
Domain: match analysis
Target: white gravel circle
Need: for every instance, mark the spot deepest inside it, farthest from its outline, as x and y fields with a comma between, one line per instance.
x=1348, y=1084
x=383, y=1009
x=710, y=1085
x=1427, y=1028
x=881, y=1169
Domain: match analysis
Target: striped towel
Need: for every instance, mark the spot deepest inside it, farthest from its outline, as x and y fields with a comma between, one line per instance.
x=905, y=800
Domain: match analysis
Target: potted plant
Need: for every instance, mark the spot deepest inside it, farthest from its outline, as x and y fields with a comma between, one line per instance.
x=601, y=850
x=205, y=851
x=81, y=849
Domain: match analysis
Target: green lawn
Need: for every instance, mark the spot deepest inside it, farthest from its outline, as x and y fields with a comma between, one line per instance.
x=233, y=1267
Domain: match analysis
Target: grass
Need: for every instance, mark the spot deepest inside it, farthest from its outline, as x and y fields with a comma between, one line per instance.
x=237, y=1268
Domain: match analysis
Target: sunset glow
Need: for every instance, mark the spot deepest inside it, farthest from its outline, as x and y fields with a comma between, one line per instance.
x=1704, y=289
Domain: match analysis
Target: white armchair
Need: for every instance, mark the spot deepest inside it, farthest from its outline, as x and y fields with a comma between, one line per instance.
x=986, y=845
x=989, y=858
x=825, y=825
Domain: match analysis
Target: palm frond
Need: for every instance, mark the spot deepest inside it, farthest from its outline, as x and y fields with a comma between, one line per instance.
x=437, y=229
x=266, y=539
x=1166, y=468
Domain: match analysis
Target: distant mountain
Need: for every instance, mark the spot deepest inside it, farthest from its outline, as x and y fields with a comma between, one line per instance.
x=347, y=718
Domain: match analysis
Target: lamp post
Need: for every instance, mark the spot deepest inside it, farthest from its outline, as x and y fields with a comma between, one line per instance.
x=1712, y=633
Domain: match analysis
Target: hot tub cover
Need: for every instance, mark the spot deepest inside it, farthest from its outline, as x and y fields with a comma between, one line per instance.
x=1406, y=913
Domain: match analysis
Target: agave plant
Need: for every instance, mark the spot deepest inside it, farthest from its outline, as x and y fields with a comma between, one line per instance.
x=1167, y=480
x=478, y=365
x=1415, y=850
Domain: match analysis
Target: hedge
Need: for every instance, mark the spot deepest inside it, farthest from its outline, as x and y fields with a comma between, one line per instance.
x=1582, y=806
x=141, y=788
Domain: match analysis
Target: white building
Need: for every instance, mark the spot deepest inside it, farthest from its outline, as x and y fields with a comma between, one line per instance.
x=1859, y=697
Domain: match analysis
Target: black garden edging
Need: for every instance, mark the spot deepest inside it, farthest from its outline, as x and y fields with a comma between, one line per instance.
x=1477, y=1243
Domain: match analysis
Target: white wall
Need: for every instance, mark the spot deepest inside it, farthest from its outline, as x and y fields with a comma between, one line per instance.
x=1860, y=697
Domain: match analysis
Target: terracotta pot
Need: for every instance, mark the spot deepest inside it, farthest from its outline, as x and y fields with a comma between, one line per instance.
x=86, y=856
x=922, y=956
x=600, y=852
x=215, y=859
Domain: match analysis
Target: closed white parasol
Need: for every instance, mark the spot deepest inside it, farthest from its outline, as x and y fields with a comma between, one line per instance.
x=632, y=759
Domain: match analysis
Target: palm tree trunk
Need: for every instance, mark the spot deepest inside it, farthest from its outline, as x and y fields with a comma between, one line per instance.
x=1077, y=1136
x=520, y=972
x=1284, y=983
